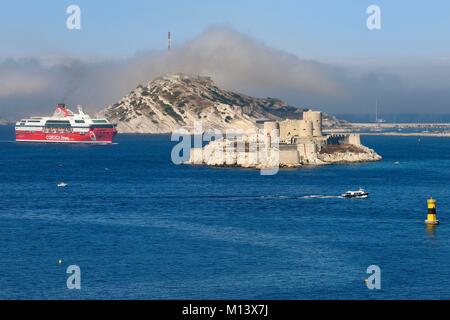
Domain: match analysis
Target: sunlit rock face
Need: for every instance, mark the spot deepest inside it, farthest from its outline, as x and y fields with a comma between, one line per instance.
x=178, y=100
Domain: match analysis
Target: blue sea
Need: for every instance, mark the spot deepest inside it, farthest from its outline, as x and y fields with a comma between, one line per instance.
x=140, y=227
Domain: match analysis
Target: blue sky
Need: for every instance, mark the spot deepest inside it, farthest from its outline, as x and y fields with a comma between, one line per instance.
x=310, y=53
x=328, y=30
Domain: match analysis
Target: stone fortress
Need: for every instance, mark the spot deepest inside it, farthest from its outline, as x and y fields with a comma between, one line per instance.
x=296, y=142
x=301, y=140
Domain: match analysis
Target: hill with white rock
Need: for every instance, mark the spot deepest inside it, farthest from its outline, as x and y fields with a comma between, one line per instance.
x=178, y=100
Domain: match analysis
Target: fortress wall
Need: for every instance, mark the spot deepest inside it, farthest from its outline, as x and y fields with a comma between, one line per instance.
x=289, y=155
x=307, y=149
x=288, y=129
x=291, y=128
x=337, y=139
x=354, y=139
x=269, y=126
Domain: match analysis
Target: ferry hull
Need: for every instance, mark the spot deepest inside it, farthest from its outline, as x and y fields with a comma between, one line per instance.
x=95, y=136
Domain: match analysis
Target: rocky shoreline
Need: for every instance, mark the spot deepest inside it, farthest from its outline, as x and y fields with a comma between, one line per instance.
x=355, y=155
x=224, y=153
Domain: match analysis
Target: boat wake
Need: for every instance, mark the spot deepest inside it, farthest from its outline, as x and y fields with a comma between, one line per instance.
x=312, y=196
x=256, y=197
x=318, y=196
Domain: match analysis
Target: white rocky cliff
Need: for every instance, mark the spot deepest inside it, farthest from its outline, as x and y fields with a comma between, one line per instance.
x=178, y=100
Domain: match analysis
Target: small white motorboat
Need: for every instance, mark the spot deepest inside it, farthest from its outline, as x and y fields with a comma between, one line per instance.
x=62, y=185
x=361, y=193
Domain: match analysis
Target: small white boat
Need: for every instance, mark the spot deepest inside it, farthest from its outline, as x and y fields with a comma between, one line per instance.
x=62, y=185
x=361, y=193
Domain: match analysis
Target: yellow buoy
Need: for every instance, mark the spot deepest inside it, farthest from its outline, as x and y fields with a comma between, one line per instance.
x=431, y=217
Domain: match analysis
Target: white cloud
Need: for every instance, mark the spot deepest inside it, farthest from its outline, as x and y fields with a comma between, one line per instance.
x=236, y=62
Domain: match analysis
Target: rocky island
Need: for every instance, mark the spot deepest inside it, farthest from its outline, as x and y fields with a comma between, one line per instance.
x=287, y=143
x=272, y=133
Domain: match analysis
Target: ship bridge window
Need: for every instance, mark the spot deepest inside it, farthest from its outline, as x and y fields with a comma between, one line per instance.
x=57, y=123
x=79, y=121
x=99, y=121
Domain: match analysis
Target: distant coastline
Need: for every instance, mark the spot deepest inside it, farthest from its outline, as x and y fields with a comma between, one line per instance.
x=409, y=134
x=395, y=129
x=397, y=125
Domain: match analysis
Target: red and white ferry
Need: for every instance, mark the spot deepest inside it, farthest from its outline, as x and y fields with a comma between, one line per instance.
x=65, y=127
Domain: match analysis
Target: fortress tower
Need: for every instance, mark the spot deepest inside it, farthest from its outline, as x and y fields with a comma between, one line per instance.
x=316, y=118
x=306, y=129
x=271, y=132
